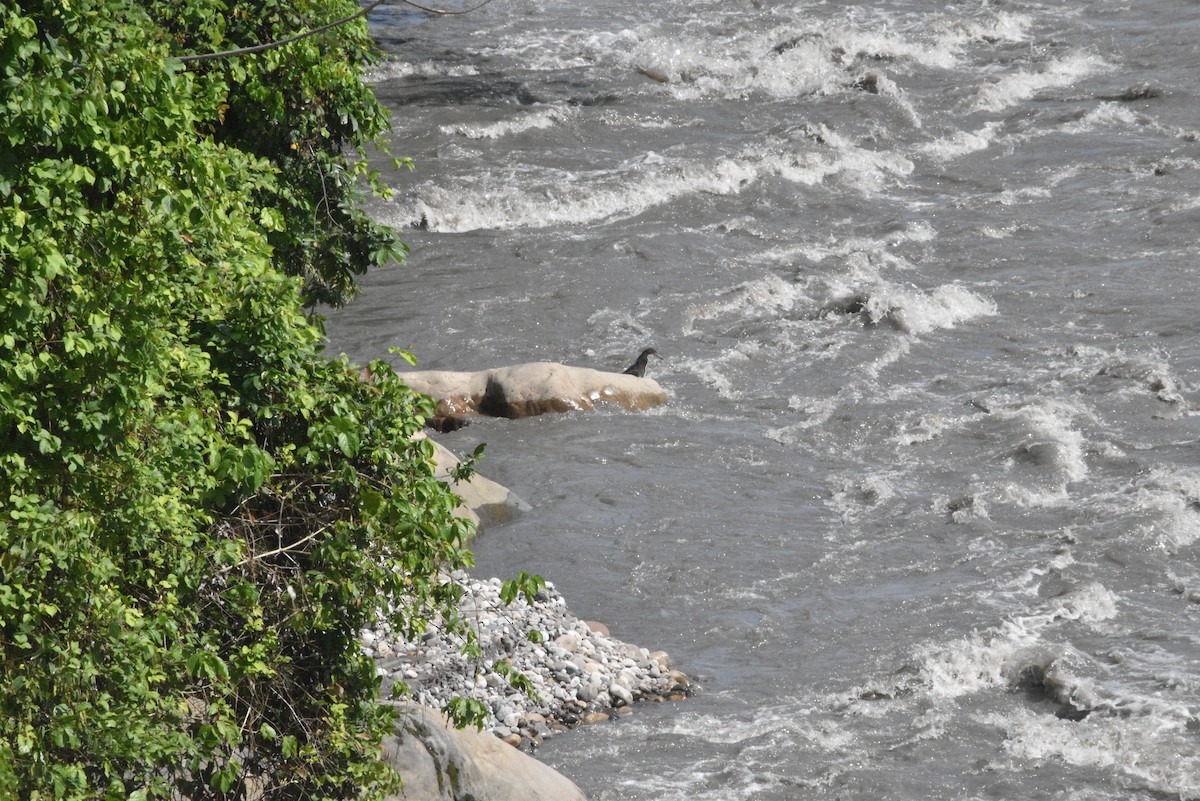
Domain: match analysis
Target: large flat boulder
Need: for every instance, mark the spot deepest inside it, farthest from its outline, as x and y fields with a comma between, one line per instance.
x=524, y=390
x=440, y=763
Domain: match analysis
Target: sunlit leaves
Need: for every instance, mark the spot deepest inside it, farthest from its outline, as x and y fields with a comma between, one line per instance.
x=523, y=585
x=201, y=510
x=301, y=108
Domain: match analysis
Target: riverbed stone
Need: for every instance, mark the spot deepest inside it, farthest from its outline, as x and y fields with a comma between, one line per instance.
x=568, y=641
x=620, y=693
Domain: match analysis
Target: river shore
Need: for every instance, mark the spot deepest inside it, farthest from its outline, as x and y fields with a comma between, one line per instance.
x=580, y=674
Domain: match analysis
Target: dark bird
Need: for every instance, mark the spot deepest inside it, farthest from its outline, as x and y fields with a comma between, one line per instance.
x=638, y=368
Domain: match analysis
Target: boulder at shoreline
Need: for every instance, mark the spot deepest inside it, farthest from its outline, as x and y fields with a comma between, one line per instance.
x=525, y=390
x=484, y=502
x=438, y=762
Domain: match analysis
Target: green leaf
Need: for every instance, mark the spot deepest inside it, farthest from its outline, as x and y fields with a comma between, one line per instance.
x=272, y=220
x=288, y=746
x=403, y=354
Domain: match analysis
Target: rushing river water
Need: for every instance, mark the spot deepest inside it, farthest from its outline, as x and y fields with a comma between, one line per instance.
x=923, y=511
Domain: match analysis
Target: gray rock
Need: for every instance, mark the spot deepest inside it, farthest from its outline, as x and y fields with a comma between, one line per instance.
x=620, y=693
x=440, y=763
x=568, y=682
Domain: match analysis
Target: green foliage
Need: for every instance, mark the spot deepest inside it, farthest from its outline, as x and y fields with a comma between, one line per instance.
x=466, y=467
x=471, y=710
x=200, y=509
x=523, y=585
x=299, y=107
x=518, y=680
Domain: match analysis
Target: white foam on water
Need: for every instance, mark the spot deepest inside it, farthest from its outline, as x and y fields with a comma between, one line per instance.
x=916, y=311
x=919, y=231
x=613, y=330
x=1147, y=371
x=895, y=351
x=1172, y=495
x=754, y=68
x=858, y=494
x=1159, y=752
x=695, y=68
x=1014, y=197
x=861, y=168
x=910, y=309
x=801, y=723
x=536, y=196
x=539, y=197
x=819, y=410
x=549, y=198
x=1104, y=116
x=1002, y=232
x=960, y=143
x=1037, y=497
x=1001, y=27
x=711, y=371
x=864, y=257
x=770, y=296
x=719, y=779
x=1000, y=654
x=1188, y=586
x=1045, y=436
x=1016, y=87
x=538, y=119
x=881, y=43
x=397, y=68
x=1030, y=582
x=966, y=508
x=925, y=429
x=785, y=60
x=816, y=411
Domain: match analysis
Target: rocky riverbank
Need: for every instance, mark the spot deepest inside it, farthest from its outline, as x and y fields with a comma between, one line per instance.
x=579, y=673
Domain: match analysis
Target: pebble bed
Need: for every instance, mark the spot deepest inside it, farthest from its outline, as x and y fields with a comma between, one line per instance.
x=580, y=674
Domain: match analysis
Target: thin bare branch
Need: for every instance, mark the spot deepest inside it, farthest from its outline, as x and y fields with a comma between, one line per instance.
x=242, y=51
x=284, y=549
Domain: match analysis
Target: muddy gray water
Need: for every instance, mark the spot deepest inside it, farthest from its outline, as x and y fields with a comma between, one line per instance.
x=923, y=511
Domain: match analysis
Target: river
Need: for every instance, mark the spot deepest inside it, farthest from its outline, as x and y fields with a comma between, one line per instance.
x=922, y=516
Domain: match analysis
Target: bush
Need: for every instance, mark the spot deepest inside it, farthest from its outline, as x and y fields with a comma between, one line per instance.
x=202, y=509
x=299, y=107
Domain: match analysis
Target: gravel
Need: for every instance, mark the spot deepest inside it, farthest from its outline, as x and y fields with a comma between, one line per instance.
x=579, y=673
